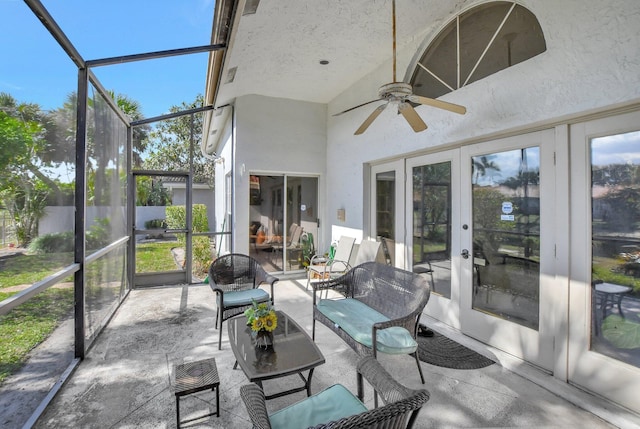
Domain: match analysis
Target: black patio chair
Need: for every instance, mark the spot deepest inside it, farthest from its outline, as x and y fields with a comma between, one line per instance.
x=235, y=279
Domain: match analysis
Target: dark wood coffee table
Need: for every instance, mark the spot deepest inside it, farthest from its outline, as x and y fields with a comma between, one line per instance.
x=293, y=352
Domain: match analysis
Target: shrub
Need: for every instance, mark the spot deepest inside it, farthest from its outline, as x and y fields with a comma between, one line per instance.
x=97, y=237
x=53, y=243
x=155, y=224
x=201, y=247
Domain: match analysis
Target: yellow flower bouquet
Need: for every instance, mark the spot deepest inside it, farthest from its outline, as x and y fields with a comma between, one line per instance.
x=261, y=317
x=262, y=320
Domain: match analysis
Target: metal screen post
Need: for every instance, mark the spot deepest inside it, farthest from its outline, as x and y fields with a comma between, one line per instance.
x=81, y=208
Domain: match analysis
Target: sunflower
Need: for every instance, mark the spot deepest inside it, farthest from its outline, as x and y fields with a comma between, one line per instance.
x=270, y=321
x=257, y=324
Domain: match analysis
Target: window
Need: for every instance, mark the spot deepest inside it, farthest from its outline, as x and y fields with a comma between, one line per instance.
x=476, y=44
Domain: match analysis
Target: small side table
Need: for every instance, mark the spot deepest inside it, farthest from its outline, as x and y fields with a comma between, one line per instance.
x=612, y=292
x=192, y=377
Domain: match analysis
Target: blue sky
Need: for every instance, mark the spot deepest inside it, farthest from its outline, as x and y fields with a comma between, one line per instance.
x=33, y=68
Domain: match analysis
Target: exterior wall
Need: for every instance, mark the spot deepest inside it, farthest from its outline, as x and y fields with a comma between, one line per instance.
x=275, y=136
x=591, y=66
x=223, y=167
x=200, y=195
x=592, y=62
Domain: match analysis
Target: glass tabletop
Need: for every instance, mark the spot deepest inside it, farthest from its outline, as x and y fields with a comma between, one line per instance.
x=293, y=350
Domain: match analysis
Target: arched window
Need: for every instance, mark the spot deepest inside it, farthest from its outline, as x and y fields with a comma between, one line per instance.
x=476, y=44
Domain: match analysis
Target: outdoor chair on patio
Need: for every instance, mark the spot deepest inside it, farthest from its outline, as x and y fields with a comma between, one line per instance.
x=336, y=407
x=235, y=279
x=322, y=267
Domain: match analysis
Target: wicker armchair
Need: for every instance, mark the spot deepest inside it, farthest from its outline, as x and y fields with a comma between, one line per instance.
x=400, y=409
x=235, y=279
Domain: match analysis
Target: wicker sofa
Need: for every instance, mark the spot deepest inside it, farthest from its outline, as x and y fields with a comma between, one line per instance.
x=337, y=408
x=379, y=310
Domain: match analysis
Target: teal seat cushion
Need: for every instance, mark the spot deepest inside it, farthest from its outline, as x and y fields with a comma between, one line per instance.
x=244, y=297
x=329, y=405
x=357, y=319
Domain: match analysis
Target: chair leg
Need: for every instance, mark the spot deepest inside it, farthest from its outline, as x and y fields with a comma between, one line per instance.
x=219, y=315
x=415, y=355
x=313, y=329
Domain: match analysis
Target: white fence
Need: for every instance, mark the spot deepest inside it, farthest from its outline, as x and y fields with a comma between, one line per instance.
x=61, y=218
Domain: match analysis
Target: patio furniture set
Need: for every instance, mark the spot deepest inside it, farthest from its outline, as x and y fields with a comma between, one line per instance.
x=378, y=311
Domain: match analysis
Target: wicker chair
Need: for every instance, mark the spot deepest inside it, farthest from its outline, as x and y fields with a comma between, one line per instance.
x=400, y=409
x=235, y=279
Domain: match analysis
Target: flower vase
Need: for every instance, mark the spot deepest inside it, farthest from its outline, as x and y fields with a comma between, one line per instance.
x=262, y=339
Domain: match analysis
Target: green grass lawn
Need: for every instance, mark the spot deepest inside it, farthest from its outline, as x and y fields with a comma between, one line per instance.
x=27, y=325
x=155, y=256
x=32, y=322
x=29, y=269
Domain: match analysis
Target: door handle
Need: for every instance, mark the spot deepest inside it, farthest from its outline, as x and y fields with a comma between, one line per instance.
x=465, y=253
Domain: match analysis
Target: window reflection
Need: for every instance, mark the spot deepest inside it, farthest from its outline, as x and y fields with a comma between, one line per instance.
x=432, y=225
x=506, y=235
x=615, y=206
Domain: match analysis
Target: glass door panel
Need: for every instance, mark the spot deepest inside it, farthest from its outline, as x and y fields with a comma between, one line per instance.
x=506, y=235
x=615, y=243
x=433, y=196
x=387, y=210
x=302, y=212
x=274, y=242
x=604, y=310
x=266, y=215
x=431, y=221
x=385, y=204
x=507, y=259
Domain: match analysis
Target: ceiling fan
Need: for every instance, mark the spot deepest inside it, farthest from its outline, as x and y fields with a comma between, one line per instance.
x=401, y=94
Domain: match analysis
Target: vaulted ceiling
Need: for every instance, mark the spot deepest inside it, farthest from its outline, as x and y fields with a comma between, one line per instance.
x=277, y=51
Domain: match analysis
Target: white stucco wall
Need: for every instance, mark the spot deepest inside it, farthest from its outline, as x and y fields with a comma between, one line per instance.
x=275, y=136
x=592, y=62
x=223, y=166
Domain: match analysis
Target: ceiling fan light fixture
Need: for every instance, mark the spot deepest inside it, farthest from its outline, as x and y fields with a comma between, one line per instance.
x=401, y=94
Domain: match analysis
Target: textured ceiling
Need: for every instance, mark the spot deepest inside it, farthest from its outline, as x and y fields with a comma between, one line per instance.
x=277, y=50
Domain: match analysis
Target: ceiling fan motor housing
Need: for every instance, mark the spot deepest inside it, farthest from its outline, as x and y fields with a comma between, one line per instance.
x=395, y=90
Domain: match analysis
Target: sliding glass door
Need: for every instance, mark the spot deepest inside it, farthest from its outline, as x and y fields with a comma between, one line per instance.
x=283, y=220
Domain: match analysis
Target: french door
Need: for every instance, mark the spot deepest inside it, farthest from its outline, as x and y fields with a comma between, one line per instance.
x=433, y=235
x=604, y=336
x=508, y=299
x=471, y=220
x=532, y=244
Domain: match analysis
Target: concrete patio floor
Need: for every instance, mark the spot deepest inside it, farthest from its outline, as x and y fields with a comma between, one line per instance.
x=124, y=382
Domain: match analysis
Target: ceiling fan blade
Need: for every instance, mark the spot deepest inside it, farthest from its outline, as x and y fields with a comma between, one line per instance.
x=455, y=108
x=412, y=117
x=359, y=105
x=372, y=117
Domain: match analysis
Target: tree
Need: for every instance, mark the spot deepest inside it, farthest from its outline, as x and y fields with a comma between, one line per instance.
x=168, y=147
x=23, y=188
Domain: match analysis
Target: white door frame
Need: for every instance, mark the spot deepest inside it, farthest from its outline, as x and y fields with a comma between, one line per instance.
x=533, y=346
x=618, y=381
x=440, y=307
